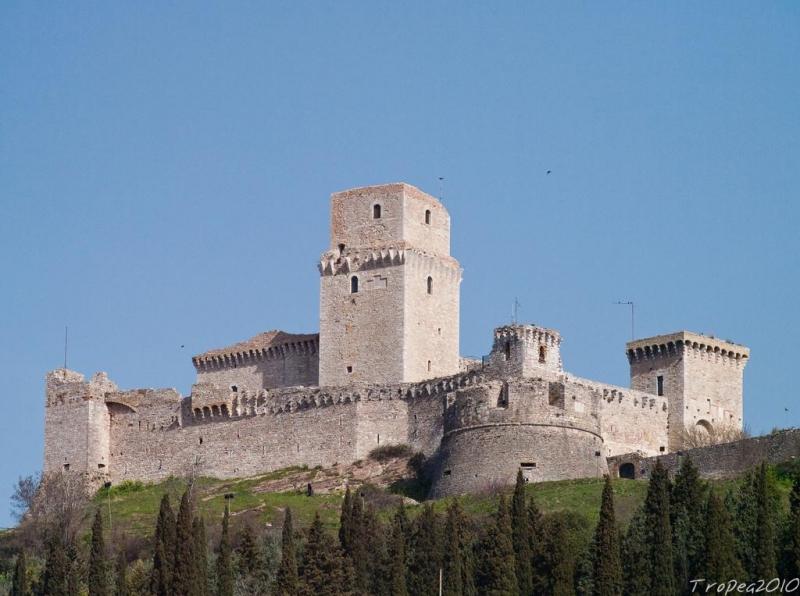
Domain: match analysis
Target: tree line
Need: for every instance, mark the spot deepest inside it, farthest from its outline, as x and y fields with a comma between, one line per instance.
x=685, y=530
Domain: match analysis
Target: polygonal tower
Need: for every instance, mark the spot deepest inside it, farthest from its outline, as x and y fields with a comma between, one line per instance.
x=389, y=289
x=701, y=376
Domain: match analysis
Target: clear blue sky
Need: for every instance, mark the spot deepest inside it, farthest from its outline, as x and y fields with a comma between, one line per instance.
x=165, y=171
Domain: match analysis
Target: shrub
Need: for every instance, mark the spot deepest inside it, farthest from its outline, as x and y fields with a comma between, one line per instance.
x=387, y=452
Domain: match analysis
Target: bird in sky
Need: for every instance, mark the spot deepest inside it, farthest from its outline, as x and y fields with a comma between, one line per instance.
x=548, y=171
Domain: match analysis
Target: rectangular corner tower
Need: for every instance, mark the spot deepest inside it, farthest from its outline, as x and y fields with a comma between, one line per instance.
x=389, y=289
x=701, y=377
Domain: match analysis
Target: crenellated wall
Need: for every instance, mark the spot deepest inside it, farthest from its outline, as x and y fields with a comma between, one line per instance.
x=495, y=428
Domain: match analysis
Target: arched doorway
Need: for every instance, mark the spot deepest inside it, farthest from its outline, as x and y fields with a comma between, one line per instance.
x=627, y=470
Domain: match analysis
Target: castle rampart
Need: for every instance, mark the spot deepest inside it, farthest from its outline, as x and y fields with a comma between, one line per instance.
x=385, y=369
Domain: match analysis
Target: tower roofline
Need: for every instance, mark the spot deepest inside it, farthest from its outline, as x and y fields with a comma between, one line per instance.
x=708, y=343
x=389, y=186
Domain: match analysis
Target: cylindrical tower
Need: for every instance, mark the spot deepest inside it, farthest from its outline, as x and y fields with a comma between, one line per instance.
x=494, y=429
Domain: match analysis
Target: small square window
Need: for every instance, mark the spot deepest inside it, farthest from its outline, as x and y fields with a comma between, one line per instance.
x=349, y=369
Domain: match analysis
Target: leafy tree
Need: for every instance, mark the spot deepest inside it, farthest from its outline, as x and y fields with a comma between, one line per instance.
x=657, y=510
x=324, y=570
x=287, y=582
x=425, y=557
x=98, y=577
x=122, y=588
x=496, y=570
x=396, y=554
x=200, y=550
x=183, y=581
x=20, y=586
x=520, y=535
x=163, y=550
x=719, y=562
x=636, y=556
x=224, y=566
x=608, y=563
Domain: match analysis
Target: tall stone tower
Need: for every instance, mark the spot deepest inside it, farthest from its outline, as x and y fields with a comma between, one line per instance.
x=389, y=289
x=701, y=376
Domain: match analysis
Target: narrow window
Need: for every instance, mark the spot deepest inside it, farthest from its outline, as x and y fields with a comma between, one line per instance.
x=234, y=388
x=507, y=350
x=341, y=248
x=428, y=216
x=349, y=369
x=430, y=285
x=201, y=440
x=542, y=354
x=660, y=385
x=429, y=366
x=354, y=285
x=376, y=212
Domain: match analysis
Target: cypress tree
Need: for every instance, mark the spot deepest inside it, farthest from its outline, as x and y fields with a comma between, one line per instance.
x=396, y=554
x=73, y=569
x=657, y=509
x=357, y=548
x=791, y=554
x=375, y=553
x=538, y=576
x=98, y=577
x=163, y=550
x=607, y=562
x=520, y=535
x=224, y=567
x=250, y=555
x=19, y=584
x=286, y=583
x=496, y=570
x=345, y=517
x=765, y=533
x=453, y=568
x=636, y=555
x=122, y=575
x=719, y=563
x=425, y=557
x=687, y=509
x=200, y=556
x=183, y=581
x=55, y=578
x=560, y=562
x=324, y=570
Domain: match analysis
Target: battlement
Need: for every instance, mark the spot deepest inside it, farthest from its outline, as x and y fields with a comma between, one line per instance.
x=666, y=345
x=525, y=350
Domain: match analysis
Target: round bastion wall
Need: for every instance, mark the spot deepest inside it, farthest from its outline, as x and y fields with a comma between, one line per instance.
x=493, y=430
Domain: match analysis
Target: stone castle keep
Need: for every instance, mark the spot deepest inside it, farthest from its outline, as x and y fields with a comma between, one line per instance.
x=385, y=369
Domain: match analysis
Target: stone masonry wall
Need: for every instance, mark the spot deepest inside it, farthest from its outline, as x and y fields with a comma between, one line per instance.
x=287, y=368
x=497, y=427
x=720, y=461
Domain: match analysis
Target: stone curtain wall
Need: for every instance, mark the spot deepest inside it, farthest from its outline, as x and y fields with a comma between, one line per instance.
x=720, y=461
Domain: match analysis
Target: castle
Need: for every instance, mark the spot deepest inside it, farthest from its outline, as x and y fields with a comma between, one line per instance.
x=385, y=369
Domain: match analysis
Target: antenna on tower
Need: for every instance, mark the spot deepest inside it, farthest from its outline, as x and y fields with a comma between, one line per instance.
x=66, y=339
x=629, y=303
x=441, y=188
x=515, y=310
